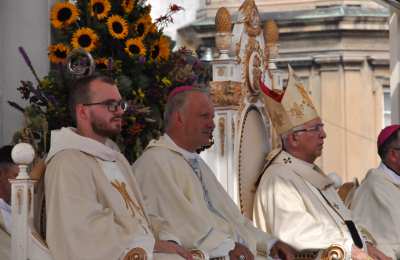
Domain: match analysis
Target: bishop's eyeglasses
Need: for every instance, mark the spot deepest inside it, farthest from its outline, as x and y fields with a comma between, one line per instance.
x=314, y=129
x=112, y=105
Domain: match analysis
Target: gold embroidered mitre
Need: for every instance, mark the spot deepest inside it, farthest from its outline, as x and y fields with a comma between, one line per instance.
x=290, y=108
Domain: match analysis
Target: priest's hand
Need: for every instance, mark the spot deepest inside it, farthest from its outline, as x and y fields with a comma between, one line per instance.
x=283, y=251
x=168, y=247
x=375, y=253
x=240, y=252
x=359, y=254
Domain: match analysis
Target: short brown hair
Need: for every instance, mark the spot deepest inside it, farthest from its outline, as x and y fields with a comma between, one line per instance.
x=79, y=92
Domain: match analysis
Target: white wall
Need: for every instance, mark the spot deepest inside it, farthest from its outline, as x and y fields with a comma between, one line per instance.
x=22, y=23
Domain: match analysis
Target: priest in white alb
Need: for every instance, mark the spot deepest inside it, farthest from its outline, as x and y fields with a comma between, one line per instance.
x=94, y=207
x=184, y=199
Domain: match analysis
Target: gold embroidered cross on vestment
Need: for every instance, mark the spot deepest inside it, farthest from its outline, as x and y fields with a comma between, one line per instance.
x=130, y=204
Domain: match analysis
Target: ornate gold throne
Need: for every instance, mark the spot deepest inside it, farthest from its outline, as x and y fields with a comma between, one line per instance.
x=244, y=135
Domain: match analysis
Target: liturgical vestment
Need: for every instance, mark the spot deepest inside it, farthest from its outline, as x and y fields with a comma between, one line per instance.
x=194, y=208
x=93, y=204
x=297, y=203
x=376, y=206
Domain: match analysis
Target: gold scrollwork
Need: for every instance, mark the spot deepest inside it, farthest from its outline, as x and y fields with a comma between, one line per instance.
x=19, y=199
x=197, y=254
x=252, y=18
x=29, y=200
x=226, y=93
x=221, y=71
x=306, y=98
x=297, y=110
x=334, y=252
x=233, y=129
x=136, y=253
x=253, y=65
x=221, y=127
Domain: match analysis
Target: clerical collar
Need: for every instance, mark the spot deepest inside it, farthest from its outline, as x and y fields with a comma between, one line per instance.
x=186, y=154
x=389, y=172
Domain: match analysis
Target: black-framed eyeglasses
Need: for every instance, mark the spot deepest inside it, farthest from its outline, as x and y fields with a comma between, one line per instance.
x=317, y=128
x=112, y=105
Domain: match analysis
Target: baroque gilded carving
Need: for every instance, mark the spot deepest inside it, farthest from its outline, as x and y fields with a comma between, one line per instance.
x=251, y=18
x=271, y=38
x=223, y=37
x=226, y=93
x=223, y=21
x=221, y=127
x=136, y=253
x=20, y=191
x=253, y=65
x=29, y=200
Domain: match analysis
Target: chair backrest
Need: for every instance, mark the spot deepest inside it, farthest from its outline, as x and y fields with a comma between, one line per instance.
x=347, y=191
x=39, y=207
x=254, y=145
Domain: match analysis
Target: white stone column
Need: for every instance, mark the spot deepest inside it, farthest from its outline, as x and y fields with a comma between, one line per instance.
x=22, y=23
x=394, y=27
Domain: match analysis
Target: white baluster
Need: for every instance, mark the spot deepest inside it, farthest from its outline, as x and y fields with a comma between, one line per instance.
x=21, y=202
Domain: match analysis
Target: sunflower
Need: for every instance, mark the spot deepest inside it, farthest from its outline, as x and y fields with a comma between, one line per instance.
x=100, y=8
x=102, y=63
x=58, y=53
x=160, y=49
x=128, y=5
x=118, y=27
x=143, y=26
x=63, y=14
x=84, y=38
x=135, y=47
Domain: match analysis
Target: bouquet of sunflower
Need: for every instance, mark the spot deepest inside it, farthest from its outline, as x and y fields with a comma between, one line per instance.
x=128, y=46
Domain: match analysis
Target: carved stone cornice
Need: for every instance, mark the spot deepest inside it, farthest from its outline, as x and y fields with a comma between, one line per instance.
x=351, y=62
x=378, y=61
x=301, y=61
x=226, y=93
x=394, y=4
x=328, y=62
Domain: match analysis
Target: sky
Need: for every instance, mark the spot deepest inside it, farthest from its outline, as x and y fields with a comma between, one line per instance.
x=184, y=17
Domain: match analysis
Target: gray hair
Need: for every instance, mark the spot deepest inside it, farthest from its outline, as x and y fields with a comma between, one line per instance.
x=285, y=136
x=178, y=102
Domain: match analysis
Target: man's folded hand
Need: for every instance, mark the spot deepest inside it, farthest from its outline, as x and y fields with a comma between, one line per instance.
x=168, y=247
x=240, y=252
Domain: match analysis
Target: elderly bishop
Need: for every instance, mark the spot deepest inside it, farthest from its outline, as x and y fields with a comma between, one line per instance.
x=295, y=200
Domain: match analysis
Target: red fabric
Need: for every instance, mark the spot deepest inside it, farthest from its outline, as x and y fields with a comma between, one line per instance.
x=386, y=133
x=179, y=90
x=272, y=94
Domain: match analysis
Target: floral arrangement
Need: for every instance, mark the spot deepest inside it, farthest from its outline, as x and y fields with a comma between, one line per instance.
x=128, y=46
